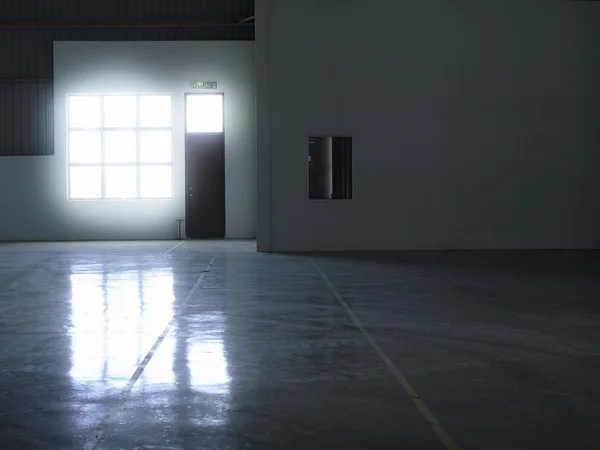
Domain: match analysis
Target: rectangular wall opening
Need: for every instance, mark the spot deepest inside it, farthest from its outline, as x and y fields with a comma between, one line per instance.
x=330, y=170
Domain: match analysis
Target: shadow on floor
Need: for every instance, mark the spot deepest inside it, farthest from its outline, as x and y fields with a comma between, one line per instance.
x=539, y=262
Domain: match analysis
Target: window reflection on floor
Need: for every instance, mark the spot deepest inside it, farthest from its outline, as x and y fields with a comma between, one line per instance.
x=208, y=367
x=207, y=364
x=116, y=318
x=88, y=321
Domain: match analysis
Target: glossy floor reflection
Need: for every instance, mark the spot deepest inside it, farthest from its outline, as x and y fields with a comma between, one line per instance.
x=254, y=351
x=116, y=318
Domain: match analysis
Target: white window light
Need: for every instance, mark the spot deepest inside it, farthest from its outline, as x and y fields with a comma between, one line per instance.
x=85, y=182
x=120, y=111
x=155, y=111
x=85, y=111
x=204, y=113
x=120, y=147
x=120, y=182
x=155, y=147
x=85, y=147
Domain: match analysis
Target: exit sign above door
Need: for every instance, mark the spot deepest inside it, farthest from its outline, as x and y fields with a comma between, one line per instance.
x=204, y=85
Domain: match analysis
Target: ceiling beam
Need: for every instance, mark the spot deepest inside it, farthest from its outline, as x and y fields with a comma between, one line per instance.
x=133, y=24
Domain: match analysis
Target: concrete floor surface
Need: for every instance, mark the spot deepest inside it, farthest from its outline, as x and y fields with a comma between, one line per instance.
x=210, y=345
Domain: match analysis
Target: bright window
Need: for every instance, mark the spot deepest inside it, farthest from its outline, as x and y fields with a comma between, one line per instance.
x=204, y=113
x=120, y=147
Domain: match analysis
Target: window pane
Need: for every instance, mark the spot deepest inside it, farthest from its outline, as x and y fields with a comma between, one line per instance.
x=120, y=111
x=156, y=182
x=121, y=182
x=84, y=111
x=204, y=113
x=155, y=110
x=155, y=146
x=119, y=146
x=85, y=182
x=84, y=147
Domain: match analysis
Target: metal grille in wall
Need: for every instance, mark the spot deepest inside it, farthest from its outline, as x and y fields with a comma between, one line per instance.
x=341, y=164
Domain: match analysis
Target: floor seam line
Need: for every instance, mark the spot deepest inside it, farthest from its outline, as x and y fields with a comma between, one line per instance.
x=433, y=422
x=172, y=249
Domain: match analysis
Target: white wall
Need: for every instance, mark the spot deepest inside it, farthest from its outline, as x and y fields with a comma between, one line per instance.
x=474, y=123
x=33, y=193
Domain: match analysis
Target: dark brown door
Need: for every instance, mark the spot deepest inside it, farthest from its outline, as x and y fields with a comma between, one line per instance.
x=205, y=185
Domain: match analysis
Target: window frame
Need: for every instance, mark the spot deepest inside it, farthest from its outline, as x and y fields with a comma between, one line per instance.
x=103, y=165
x=350, y=173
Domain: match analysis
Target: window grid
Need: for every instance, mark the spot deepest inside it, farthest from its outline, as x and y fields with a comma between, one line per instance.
x=103, y=164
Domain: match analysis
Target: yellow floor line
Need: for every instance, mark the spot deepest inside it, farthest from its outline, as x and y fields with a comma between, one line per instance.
x=435, y=424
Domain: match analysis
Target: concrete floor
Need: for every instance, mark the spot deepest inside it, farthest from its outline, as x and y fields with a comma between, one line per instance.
x=139, y=345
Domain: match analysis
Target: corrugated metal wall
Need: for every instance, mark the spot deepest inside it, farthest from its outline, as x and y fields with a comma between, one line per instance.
x=26, y=49
x=26, y=113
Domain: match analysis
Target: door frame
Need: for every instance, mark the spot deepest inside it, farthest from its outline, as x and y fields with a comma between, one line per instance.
x=185, y=135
